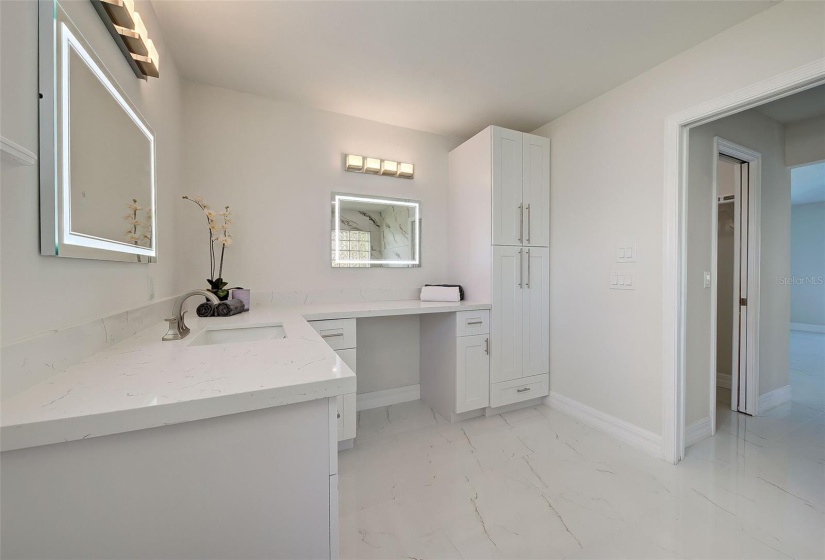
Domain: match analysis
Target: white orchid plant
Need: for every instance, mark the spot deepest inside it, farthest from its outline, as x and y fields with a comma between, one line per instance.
x=140, y=230
x=218, y=233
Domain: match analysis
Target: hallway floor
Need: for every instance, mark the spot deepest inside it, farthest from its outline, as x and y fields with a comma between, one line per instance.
x=536, y=483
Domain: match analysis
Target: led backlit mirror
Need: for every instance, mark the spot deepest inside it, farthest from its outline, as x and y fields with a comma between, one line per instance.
x=375, y=231
x=97, y=153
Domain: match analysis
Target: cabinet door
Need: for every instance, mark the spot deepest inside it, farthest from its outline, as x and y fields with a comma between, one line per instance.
x=536, y=314
x=346, y=403
x=536, y=190
x=507, y=321
x=508, y=210
x=473, y=373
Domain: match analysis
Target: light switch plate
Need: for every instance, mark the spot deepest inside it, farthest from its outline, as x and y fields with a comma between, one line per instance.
x=707, y=279
x=622, y=280
x=626, y=252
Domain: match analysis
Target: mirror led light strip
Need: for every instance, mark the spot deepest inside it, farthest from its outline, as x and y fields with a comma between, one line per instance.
x=69, y=41
x=391, y=202
x=376, y=166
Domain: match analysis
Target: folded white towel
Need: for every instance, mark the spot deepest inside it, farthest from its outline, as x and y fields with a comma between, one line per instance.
x=439, y=293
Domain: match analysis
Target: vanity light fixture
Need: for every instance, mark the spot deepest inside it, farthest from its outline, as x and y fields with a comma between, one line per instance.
x=405, y=170
x=354, y=163
x=389, y=167
x=373, y=165
x=129, y=32
x=376, y=166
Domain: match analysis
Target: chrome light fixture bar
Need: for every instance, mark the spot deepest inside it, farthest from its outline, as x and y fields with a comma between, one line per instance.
x=129, y=32
x=376, y=166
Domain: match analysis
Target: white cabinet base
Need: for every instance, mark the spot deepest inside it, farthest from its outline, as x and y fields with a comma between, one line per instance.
x=518, y=390
x=256, y=485
x=455, y=369
x=341, y=335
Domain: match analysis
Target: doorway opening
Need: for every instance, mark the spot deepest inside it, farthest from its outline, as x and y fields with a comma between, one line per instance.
x=782, y=120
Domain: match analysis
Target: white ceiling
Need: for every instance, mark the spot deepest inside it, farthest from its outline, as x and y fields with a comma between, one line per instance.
x=797, y=107
x=446, y=67
x=808, y=183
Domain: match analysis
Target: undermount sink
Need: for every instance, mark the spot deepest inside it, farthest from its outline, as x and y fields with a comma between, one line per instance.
x=238, y=334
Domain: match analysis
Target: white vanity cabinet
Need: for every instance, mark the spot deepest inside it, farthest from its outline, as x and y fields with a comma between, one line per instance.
x=520, y=179
x=500, y=205
x=455, y=362
x=340, y=334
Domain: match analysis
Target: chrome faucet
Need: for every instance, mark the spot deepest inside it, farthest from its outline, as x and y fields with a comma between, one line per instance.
x=177, y=328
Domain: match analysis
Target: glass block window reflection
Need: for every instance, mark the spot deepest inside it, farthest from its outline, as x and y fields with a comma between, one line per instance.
x=352, y=246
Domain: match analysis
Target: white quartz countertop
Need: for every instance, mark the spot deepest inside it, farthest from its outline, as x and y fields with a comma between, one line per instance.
x=146, y=383
x=314, y=312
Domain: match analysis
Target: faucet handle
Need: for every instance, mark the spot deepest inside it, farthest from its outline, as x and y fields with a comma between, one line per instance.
x=172, y=332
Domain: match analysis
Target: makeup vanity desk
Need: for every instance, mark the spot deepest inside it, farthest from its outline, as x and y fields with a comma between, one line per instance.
x=453, y=355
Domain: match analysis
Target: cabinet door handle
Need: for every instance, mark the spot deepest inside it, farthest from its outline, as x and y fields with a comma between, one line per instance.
x=529, y=223
x=520, y=222
x=332, y=335
x=474, y=322
x=523, y=390
x=528, y=268
x=520, y=267
x=487, y=346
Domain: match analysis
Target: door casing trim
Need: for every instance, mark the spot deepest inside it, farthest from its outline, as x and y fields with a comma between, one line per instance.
x=674, y=205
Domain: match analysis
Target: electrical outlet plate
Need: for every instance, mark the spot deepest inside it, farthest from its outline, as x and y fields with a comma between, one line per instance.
x=626, y=252
x=622, y=281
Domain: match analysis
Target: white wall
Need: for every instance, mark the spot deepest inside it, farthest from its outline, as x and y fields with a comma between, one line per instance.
x=275, y=164
x=808, y=263
x=766, y=136
x=805, y=142
x=607, y=176
x=39, y=293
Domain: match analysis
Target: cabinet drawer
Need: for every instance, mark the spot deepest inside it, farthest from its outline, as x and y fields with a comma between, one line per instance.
x=469, y=323
x=517, y=390
x=338, y=333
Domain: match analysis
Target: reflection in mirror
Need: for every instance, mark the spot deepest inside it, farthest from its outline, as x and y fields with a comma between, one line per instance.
x=375, y=231
x=97, y=154
x=112, y=193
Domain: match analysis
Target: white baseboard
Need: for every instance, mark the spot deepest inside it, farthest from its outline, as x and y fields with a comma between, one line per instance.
x=807, y=327
x=697, y=431
x=625, y=432
x=387, y=397
x=723, y=380
x=774, y=399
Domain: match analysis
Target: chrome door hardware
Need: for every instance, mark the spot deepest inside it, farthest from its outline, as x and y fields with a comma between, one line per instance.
x=529, y=222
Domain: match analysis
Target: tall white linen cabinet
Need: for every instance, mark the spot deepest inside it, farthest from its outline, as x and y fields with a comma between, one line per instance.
x=499, y=183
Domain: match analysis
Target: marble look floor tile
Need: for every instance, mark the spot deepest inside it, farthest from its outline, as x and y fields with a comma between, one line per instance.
x=535, y=483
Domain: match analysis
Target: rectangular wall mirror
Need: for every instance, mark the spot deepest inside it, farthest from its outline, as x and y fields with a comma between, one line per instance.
x=375, y=231
x=97, y=153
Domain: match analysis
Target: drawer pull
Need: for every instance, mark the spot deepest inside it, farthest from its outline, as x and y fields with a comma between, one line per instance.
x=523, y=390
x=474, y=322
x=332, y=335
